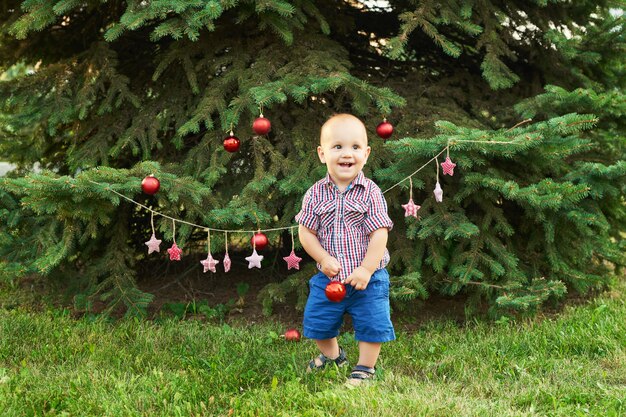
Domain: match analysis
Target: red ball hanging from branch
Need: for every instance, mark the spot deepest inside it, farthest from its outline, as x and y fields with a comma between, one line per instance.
x=335, y=291
x=150, y=185
x=259, y=241
x=261, y=125
x=231, y=143
x=384, y=129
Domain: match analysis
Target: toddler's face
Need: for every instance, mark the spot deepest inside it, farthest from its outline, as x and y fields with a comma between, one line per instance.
x=344, y=149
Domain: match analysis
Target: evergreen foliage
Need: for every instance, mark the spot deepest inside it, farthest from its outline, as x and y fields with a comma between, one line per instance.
x=98, y=94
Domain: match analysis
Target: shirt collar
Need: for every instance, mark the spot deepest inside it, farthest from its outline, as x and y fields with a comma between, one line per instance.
x=359, y=180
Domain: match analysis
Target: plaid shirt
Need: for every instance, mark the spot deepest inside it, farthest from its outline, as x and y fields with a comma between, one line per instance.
x=344, y=221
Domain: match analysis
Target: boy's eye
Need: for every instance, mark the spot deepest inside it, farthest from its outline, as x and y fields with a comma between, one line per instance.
x=337, y=146
x=355, y=147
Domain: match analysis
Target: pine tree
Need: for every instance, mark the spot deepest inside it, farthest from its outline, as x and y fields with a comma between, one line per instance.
x=100, y=94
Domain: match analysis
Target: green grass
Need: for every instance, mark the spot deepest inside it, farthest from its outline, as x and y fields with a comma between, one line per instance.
x=571, y=365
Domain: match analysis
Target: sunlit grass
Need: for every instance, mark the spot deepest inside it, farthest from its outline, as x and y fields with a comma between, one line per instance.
x=572, y=365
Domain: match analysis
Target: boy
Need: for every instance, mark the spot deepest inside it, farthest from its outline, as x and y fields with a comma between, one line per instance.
x=343, y=226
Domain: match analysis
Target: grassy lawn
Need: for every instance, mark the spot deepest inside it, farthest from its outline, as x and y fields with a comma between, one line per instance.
x=570, y=365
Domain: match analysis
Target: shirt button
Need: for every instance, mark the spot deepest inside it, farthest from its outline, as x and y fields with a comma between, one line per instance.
x=338, y=234
x=340, y=255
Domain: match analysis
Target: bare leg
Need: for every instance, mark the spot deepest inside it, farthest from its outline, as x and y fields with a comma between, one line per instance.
x=368, y=353
x=329, y=347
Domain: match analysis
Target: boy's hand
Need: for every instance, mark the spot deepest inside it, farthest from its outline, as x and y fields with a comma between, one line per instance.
x=330, y=266
x=359, y=278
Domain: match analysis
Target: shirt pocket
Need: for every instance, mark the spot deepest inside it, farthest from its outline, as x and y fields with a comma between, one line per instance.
x=326, y=212
x=355, y=214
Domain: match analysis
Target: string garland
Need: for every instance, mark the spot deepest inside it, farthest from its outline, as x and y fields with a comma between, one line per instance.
x=285, y=227
x=417, y=170
x=254, y=260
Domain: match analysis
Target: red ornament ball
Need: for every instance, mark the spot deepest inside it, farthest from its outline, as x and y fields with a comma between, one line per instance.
x=384, y=130
x=259, y=240
x=261, y=126
x=231, y=143
x=292, y=335
x=335, y=291
x=150, y=185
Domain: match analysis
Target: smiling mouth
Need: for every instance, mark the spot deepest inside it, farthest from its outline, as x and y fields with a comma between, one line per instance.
x=346, y=165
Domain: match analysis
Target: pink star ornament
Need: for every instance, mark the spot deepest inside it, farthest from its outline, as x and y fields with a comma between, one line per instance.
x=209, y=263
x=410, y=209
x=174, y=252
x=448, y=166
x=438, y=193
x=254, y=260
x=153, y=244
x=293, y=261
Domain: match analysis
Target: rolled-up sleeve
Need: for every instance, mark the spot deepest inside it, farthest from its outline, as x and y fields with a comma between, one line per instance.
x=377, y=216
x=307, y=217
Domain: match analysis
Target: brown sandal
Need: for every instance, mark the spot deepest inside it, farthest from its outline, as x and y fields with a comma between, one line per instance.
x=340, y=360
x=361, y=374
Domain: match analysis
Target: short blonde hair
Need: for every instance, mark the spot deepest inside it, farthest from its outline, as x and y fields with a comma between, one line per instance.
x=338, y=118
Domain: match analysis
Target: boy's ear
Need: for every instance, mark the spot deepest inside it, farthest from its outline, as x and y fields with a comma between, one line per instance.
x=320, y=153
x=367, y=154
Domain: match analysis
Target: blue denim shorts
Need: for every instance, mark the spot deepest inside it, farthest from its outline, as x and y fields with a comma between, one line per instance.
x=369, y=309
